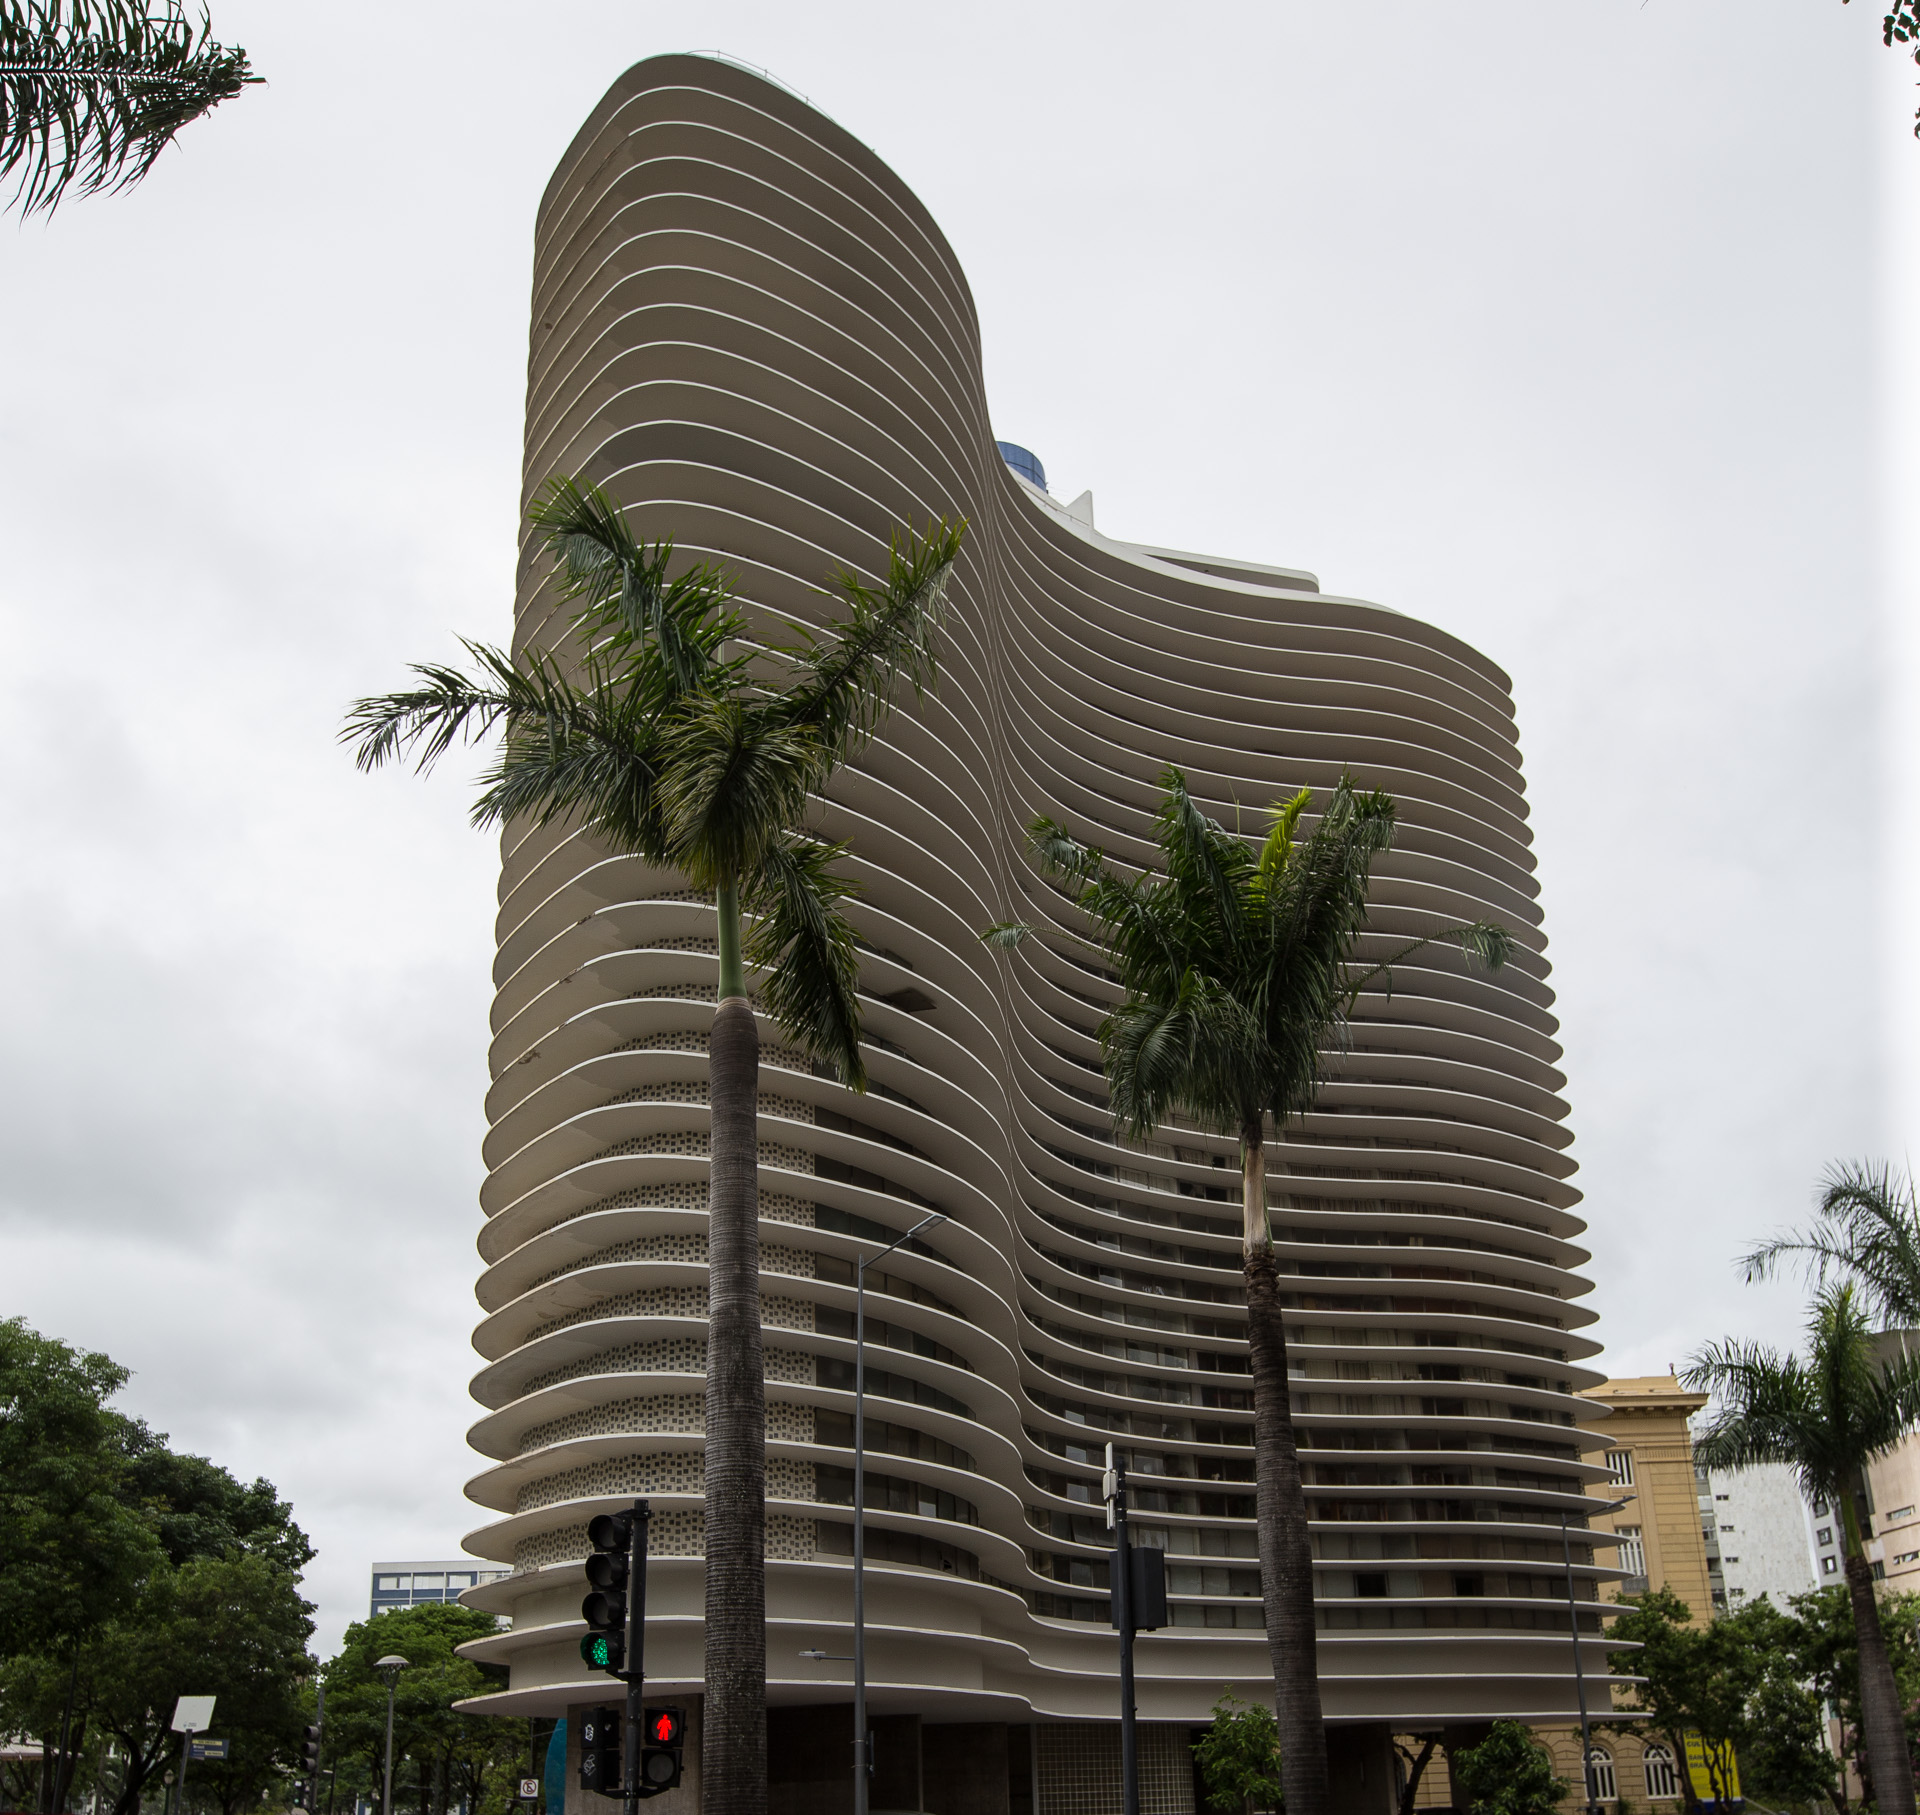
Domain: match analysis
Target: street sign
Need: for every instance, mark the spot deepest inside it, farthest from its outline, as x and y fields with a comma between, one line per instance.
x=193, y=1714
x=529, y=1789
x=206, y=1748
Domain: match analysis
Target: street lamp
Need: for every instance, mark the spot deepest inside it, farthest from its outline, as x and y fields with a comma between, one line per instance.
x=862, y=1754
x=389, y=1667
x=1579, y=1672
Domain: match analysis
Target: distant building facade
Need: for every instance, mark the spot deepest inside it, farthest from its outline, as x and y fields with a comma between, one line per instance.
x=1893, y=1495
x=1758, y=1534
x=1662, y=1544
x=410, y=1584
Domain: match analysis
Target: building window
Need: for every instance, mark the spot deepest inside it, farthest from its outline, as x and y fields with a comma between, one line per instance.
x=1620, y=1467
x=1824, y=1535
x=1901, y=1512
x=1819, y=1509
x=1631, y=1556
x=1600, y=1767
x=1827, y=1566
x=1662, y=1779
x=1907, y=1556
x=1726, y=1528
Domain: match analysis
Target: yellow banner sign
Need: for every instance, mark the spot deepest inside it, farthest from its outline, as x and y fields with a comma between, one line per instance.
x=1713, y=1770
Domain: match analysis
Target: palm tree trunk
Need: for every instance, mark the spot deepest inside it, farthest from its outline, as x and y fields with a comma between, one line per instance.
x=1286, y=1556
x=1882, y=1720
x=733, y=1742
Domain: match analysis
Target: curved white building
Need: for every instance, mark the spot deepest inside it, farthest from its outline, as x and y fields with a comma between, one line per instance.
x=749, y=330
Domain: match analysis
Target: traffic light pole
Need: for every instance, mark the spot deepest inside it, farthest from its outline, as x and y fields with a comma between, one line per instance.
x=636, y=1671
x=320, y=1726
x=1120, y=1586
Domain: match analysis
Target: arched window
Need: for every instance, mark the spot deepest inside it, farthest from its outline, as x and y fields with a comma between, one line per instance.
x=1600, y=1765
x=1662, y=1778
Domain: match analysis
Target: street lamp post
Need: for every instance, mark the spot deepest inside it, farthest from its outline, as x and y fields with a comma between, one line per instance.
x=389, y=1667
x=862, y=1747
x=1579, y=1671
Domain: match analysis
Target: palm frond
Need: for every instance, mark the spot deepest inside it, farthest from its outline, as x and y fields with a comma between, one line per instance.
x=624, y=589
x=1206, y=865
x=1278, y=845
x=1483, y=942
x=1004, y=935
x=1188, y=1049
x=425, y=722
x=92, y=91
x=1057, y=853
x=805, y=945
x=736, y=782
x=1866, y=1228
x=844, y=683
x=1826, y=1414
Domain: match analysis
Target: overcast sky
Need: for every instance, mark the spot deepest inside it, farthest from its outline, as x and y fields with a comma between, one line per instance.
x=1565, y=328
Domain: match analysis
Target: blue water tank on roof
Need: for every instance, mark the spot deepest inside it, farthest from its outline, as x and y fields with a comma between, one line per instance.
x=1024, y=461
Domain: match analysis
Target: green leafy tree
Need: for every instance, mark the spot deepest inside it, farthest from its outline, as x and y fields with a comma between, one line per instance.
x=1507, y=1773
x=74, y=1544
x=234, y=1627
x=1733, y=1682
x=130, y=1574
x=1826, y=1415
x=442, y=1755
x=1823, y=1653
x=1239, y=965
x=1239, y=1757
x=671, y=733
x=92, y=91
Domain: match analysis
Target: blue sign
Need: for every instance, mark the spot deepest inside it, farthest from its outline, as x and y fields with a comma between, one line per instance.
x=206, y=1748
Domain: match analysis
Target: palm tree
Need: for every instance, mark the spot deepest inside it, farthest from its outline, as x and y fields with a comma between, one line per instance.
x=1826, y=1417
x=672, y=736
x=92, y=91
x=1239, y=972
x=1866, y=1228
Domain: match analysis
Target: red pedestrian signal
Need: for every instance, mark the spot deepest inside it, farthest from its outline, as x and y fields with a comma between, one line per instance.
x=665, y=1730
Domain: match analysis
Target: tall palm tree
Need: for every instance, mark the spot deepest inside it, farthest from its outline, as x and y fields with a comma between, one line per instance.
x=92, y=91
x=1238, y=964
x=669, y=733
x=1866, y=1228
x=1826, y=1417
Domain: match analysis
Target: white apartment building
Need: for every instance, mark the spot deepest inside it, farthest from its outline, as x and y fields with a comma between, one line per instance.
x=1755, y=1524
x=754, y=335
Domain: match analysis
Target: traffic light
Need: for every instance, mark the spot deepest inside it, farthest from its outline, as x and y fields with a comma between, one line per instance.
x=600, y=1751
x=665, y=1732
x=310, y=1751
x=605, y=1609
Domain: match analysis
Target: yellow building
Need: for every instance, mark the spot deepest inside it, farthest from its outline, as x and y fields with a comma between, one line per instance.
x=1648, y=1455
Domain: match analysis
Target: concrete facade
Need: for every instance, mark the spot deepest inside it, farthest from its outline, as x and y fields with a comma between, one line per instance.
x=751, y=332
x=1758, y=1523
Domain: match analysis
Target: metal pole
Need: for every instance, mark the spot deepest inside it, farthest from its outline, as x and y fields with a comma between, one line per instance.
x=180, y=1788
x=1122, y=1588
x=1579, y=1674
x=862, y=1751
x=386, y=1795
x=320, y=1721
x=862, y=1741
x=636, y=1671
